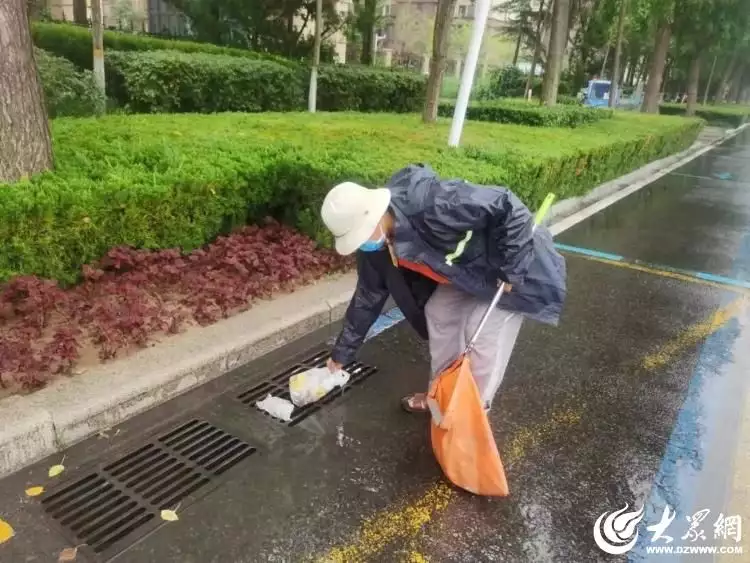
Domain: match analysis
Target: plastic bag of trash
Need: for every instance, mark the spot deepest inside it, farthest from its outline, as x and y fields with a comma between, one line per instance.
x=314, y=384
x=276, y=407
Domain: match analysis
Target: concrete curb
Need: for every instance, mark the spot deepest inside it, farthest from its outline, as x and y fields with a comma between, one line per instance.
x=72, y=409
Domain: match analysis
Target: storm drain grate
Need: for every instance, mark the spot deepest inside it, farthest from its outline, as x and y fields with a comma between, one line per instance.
x=107, y=505
x=278, y=386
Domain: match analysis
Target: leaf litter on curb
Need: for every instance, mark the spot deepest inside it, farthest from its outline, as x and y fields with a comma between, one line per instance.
x=170, y=515
x=34, y=491
x=55, y=470
x=6, y=531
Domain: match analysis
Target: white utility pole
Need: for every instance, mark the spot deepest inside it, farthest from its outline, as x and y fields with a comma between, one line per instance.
x=481, y=13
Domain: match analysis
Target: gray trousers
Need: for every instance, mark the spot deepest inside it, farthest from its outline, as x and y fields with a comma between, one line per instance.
x=452, y=318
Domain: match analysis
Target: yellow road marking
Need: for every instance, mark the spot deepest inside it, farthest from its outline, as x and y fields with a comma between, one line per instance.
x=416, y=557
x=693, y=335
x=529, y=437
x=407, y=522
x=664, y=273
x=382, y=529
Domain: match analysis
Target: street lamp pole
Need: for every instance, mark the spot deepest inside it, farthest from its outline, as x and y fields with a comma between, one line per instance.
x=481, y=13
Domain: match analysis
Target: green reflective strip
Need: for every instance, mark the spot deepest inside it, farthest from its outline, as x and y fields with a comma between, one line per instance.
x=459, y=249
x=546, y=204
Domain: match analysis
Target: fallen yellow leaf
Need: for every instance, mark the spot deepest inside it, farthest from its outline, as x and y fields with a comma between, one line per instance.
x=169, y=515
x=34, y=491
x=55, y=470
x=67, y=555
x=6, y=532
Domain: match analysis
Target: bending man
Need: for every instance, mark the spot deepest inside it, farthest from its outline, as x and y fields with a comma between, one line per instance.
x=440, y=249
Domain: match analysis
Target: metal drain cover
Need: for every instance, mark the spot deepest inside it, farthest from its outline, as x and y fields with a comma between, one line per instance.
x=278, y=386
x=102, y=509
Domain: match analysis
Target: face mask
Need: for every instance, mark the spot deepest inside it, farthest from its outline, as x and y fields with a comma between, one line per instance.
x=373, y=245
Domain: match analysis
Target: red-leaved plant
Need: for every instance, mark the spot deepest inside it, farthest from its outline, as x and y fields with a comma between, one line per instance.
x=130, y=296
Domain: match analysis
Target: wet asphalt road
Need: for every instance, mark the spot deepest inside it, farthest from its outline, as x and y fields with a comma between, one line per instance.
x=634, y=399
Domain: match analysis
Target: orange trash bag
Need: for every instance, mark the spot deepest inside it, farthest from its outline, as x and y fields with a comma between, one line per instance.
x=462, y=439
x=461, y=435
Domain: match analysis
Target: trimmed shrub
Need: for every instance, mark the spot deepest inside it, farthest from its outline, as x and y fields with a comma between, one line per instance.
x=567, y=100
x=174, y=82
x=74, y=43
x=526, y=113
x=506, y=82
x=352, y=88
x=67, y=90
x=164, y=181
x=510, y=82
x=719, y=115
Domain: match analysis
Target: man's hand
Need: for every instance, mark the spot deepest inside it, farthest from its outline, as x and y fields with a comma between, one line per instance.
x=334, y=367
x=508, y=287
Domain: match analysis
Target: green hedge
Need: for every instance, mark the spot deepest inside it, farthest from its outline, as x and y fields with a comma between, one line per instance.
x=530, y=113
x=352, y=88
x=160, y=181
x=68, y=91
x=719, y=115
x=74, y=43
x=174, y=82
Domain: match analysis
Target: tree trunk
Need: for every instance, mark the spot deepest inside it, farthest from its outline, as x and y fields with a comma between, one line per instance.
x=557, y=42
x=579, y=50
x=97, y=31
x=739, y=98
x=312, y=100
x=440, y=36
x=604, y=63
x=736, y=85
x=25, y=146
x=708, y=82
x=368, y=31
x=656, y=70
x=635, y=68
x=521, y=22
x=537, y=48
x=80, y=14
x=694, y=75
x=615, y=89
x=721, y=89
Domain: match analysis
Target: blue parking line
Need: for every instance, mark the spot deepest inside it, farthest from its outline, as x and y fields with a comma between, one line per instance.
x=385, y=321
x=394, y=316
x=682, y=472
x=589, y=252
x=715, y=278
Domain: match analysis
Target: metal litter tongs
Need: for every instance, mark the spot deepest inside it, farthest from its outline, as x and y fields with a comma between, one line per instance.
x=538, y=218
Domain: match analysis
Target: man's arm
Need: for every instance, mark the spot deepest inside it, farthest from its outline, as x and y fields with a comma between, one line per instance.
x=366, y=305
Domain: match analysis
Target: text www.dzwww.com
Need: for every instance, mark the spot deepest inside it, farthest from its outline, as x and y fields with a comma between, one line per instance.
x=692, y=549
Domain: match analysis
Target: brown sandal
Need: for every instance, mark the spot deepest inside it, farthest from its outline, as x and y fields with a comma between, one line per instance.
x=416, y=403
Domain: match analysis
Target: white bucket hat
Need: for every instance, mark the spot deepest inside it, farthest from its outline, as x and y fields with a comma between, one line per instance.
x=352, y=212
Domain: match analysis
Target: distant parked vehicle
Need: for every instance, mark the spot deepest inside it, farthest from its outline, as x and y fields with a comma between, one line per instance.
x=597, y=93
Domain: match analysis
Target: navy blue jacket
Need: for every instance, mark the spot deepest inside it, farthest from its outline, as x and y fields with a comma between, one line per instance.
x=471, y=235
